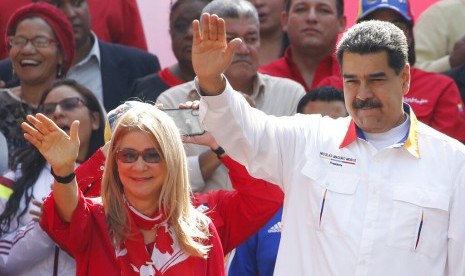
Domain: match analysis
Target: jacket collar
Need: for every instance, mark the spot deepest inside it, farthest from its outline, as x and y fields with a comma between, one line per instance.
x=410, y=142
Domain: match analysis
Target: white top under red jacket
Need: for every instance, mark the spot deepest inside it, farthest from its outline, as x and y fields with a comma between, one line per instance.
x=349, y=208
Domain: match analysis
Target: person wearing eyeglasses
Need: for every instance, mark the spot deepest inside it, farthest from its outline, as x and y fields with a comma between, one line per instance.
x=25, y=247
x=144, y=223
x=41, y=47
x=106, y=69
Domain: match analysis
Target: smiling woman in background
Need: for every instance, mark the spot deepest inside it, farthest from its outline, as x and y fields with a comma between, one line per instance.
x=22, y=240
x=41, y=47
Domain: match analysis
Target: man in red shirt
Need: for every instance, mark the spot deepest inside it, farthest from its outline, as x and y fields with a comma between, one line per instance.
x=434, y=98
x=312, y=28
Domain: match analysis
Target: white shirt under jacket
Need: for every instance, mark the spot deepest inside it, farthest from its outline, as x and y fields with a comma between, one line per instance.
x=375, y=201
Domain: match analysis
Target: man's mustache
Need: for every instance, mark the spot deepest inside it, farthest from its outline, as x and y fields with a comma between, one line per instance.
x=369, y=103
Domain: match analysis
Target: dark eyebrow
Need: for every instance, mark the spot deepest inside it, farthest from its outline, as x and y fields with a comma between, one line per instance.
x=374, y=75
x=348, y=76
x=378, y=75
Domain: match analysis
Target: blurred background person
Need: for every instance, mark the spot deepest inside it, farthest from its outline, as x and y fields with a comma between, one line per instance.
x=182, y=13
x=272, y=95
x=3, y=153
x=114, y=21
x=41, y=48
x=25, y=248
x=312, y=27
x=324, y=100
x=273, y=39
x=440, y=36
x=257, y=256
x=106, y=69
x=458, y=75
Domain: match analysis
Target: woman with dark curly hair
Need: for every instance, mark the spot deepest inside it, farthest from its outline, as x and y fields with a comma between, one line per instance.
x=30, y=181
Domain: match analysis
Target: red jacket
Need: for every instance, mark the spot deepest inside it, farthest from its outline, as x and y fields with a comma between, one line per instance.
x=86, y=238
x=236, y=214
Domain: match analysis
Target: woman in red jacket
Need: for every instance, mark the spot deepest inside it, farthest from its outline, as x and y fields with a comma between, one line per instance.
x=144, y=223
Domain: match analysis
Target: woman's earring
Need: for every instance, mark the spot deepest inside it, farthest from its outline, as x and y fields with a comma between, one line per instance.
x=59, y=73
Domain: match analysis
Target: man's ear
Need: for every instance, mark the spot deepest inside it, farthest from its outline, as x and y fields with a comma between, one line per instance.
x=405, y=75
x=284, y=18
x=342, y=23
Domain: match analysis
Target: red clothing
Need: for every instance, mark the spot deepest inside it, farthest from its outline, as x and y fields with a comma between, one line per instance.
x=168, y=77
x=7, y=8
x=434, y=98
x=113, y=21
x=286, y=68
x=236, y=214
x=118, y=21
x=86, y=238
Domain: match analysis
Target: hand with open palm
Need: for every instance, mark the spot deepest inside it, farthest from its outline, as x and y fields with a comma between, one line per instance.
x=59, y=149
x=211, y=52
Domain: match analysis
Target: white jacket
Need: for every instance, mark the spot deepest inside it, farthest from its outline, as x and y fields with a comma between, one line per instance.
x=350, y=209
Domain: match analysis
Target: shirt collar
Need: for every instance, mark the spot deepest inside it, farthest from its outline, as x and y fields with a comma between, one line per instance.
x=258, y=87
x=410, y=141
x=94, y=51
x=328, y=66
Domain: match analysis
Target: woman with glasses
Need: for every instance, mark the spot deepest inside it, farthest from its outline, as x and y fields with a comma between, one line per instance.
x=40, y=42
x=24, y=247
x=144, y=223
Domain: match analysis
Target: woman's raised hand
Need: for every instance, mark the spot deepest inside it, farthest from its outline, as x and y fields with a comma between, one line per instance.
x=59, y=149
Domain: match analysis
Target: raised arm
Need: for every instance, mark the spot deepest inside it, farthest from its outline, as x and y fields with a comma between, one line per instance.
x=211, y=53
x=61, y=151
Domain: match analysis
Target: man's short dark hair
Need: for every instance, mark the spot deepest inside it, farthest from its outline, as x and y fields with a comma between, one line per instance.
x=339, y=6
x=375, y=36
x=322, y=93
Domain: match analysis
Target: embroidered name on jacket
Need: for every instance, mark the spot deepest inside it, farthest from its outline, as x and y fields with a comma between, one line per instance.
x=415, y=101
x=337, y=160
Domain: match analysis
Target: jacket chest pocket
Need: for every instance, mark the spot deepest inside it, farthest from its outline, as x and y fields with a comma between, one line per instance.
x=332, y=197
x=419, y=220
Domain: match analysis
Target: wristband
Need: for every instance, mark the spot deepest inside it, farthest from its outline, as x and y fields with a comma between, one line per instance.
x=63, y=180
x=219, y=151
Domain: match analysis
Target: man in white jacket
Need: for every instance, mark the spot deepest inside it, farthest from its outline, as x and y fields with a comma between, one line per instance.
x=377, y=193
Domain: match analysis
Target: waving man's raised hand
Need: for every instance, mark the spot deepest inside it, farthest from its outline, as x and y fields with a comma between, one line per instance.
x=211, y=52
